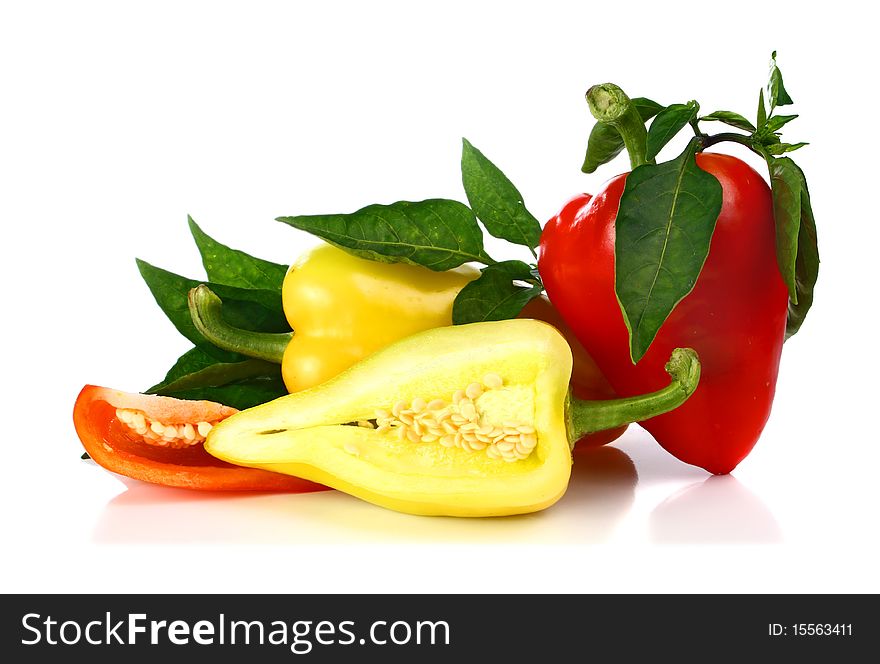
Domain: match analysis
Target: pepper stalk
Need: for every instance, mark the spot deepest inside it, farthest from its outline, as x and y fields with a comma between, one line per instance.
x=205, y=308
x=585, y=417
x=609, y=104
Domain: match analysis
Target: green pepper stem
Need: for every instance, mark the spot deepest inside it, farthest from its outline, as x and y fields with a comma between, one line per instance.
x=609, y=104
x=591, y=416
x=709, y=141
x=206, y=311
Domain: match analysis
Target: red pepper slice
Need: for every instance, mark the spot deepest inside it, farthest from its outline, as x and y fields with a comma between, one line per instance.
x=121, y=450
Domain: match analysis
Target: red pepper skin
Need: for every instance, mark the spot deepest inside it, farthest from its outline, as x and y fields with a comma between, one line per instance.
x=734, y=317
x=119, y=450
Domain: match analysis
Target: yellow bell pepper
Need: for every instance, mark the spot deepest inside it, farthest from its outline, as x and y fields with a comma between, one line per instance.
x=342, y=308
x=471, y=420
x=345, y=308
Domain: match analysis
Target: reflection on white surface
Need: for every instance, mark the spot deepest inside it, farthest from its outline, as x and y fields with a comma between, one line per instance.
x=717, y=510
x=640, y=494
x=601, y=492
x=656, y=466
x=599, y=495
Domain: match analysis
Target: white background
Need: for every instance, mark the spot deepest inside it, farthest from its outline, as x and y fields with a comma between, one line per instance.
x=118, y=119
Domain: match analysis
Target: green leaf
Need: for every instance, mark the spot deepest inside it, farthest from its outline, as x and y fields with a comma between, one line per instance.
x=605, y=142
x=762, y=110
x=242, y=384
x=775, y=88
x=777, y=122
x=782, y=148
x=764, y=138
x=192, y=361
x=233, y=267
x=495, y=295
x=198, y=369
x=667, y=124
x=664, y=226
x=495, y=201
x=251, y=309
x=240, y=395
x=785, y=183
x=729, y=118
x=806, y=265
x=796, y=246
x=437, y=233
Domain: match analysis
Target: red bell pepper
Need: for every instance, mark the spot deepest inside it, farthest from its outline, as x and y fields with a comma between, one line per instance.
x=734, y=317
x=738, y=280
x=119, y=449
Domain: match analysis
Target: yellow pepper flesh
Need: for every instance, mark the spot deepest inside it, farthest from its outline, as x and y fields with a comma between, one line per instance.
x=310, y=436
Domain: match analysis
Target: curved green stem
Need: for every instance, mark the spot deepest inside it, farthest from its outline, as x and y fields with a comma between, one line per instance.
x=206, y=311
x=590, y=416
x=709, y=141
x=609, y=104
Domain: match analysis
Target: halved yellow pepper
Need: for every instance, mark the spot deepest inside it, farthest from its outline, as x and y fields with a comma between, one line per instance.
x=471, y=420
